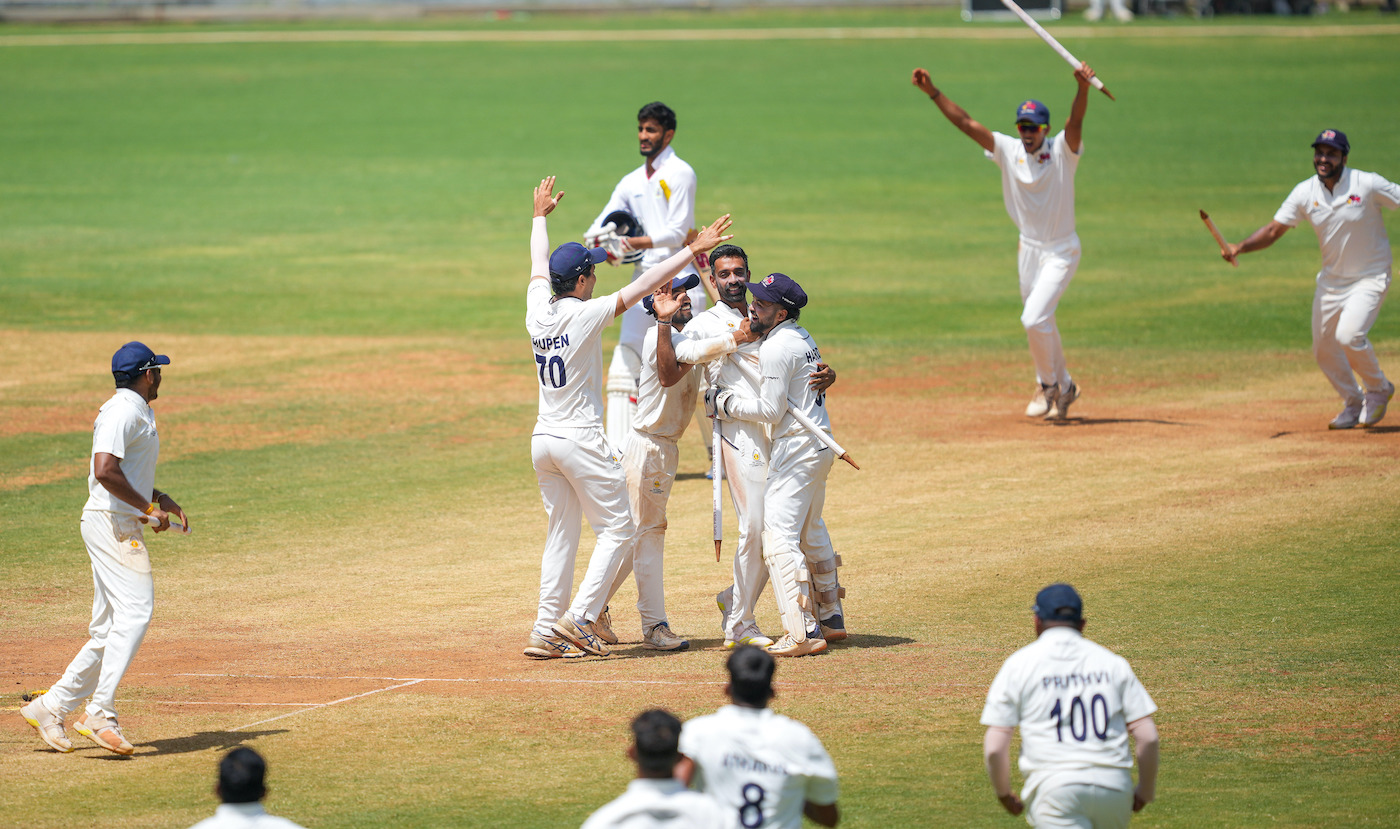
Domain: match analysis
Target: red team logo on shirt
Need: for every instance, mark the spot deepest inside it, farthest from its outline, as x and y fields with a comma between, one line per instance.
x=1043, y=157
x=1353, y=200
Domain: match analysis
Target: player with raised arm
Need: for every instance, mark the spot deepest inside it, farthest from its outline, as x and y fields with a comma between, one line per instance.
x=796, y=546
x=1343, y=205
x=769, y=769
x=579, y=472
x=1037, y=185
x=1076, y=703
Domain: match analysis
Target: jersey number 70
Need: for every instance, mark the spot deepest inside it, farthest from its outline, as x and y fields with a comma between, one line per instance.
x=555, y=364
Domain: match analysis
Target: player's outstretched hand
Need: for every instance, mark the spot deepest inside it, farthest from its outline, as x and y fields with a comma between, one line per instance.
x=545, y=200
x=665, y=302
x=822, y=378
x=176, y=509
x=924, y=82
x=1012, y=804
x=1083, y=74
x=713, y=236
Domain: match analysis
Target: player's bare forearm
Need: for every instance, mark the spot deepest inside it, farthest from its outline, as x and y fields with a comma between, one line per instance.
x=827, y=815
x=996, y=751
x=955, y=114
x=545, y=202
x=1074, y=126
x=1259, y=239
x=106, y=468
x=1146, y=747
x=669, y=370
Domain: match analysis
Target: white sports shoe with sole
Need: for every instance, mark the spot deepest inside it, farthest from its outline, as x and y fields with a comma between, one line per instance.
x=582, y=635
x=105, y=732
x=1374, y=408
x=603, y=627
x=788, y=647
x=1039, y=405
x=48, y=724
x=551, y=647
x=660, y=638
x=1347, y=418
x=749, y=635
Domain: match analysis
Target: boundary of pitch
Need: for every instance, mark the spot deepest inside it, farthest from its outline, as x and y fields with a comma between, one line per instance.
x=674, y=35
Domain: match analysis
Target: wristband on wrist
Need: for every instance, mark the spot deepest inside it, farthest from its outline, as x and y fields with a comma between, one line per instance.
x=663, y=322
x=151, y=507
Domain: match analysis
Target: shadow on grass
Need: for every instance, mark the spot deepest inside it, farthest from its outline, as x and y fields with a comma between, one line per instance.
x=222, y=740
x=870, y=640
x=1108, y=421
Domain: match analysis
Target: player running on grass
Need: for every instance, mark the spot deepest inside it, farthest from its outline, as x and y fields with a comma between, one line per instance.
x=579, y=472
x=1037, y=185
x=1344, y=207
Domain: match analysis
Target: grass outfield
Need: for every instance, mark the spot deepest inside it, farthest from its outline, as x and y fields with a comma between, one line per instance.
x=330, y=242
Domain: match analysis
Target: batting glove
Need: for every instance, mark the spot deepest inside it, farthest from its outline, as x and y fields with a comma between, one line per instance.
x=717, y=403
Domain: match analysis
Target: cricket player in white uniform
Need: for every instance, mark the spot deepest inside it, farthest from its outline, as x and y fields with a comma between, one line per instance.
x=241, y=790
x=121, y=493
x=656, y=799
x=796, y=546
x=1344, y=207
x=1076, y=704
x=744, y=445
x=661, y=195
x=768, y=770
x=1037, y=185
x=579, y=471
x=666, y=401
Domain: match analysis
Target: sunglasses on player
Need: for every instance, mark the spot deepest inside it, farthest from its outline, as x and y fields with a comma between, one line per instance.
x=1027, y=127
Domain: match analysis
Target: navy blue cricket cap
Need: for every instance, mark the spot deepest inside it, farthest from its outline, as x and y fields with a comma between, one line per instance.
x=1058, y=603
x=1033, y=111
x=571, y=260
x=1334, y=138
x=680, y=283
x=134, y=358
x=779, y=288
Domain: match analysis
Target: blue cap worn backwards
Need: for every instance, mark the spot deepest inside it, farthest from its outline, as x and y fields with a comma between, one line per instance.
x=571, y=260
x=779, y=288
x=134, y=358
x=1058, y=603
x=680, y=283
x=1034, y=112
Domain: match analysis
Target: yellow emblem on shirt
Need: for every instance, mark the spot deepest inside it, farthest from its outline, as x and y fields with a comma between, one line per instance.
x=666, y=191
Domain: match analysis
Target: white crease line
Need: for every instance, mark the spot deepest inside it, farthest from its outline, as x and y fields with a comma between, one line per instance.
x=325, y=704
x=656, y=35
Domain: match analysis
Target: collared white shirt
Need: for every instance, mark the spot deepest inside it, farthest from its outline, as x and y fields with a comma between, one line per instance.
x=1072, y=699
x=1038, y=188
x=567, y=336
x=761, y=762
x=125, y=427
x=660, y=804
x=787, y=357
x=715, y=321
x=1348, y=222
x=244, y=816
x=666, y=412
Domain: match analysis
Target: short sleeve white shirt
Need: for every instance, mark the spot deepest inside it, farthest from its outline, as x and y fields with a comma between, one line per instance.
x=1038, y=188
x=715, y=321
x=666, y=412
x=1072, y=699
x=125, y=427
x=568, y=345
x=787, y=357
x=1347, y=220
x=660, y=804
x=244, y=816
x=760, y=762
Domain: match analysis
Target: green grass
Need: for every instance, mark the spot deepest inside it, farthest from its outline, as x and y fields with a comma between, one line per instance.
x=330, y=240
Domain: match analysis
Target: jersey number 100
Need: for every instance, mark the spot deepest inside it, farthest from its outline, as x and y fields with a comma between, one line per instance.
x=1079, y=721
x=555, y=365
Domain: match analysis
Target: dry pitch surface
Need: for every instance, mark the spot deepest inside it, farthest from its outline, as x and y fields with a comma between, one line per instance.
x=368, y=640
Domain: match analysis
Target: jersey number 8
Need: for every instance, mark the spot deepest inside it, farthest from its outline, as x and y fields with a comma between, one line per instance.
x=751, y=813
x=555, y=364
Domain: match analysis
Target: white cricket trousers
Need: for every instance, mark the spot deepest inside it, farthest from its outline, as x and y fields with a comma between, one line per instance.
x=651, y=464
x=1344, y=309
x=1046, y=270
x=793, y=501
x=1080, y=805
x=580, y=477
x=744, y=456
x=123, y=599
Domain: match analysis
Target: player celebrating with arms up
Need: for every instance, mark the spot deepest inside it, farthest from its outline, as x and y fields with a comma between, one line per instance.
x=1344, y=207
x=579, y=472
x=1037, y=185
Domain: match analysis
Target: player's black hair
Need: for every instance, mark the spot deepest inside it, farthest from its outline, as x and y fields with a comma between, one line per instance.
x=751, y=676
x=127, y=379
x=658, y=112
x=241, y=774
x=792, y=313
x=727, y=250
x=562, y=286
x=657, y=735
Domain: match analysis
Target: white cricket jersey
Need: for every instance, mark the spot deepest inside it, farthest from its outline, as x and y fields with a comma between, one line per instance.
x=1348, y=222
x=1072, y=699
x=244, y=816
x=760, y=765
x=717, y=321
x=125, y=427
x=660, y=804
x=666, y=412
x=787, y=357
x=567, y=340
x=1038, y=189
x=665, y=205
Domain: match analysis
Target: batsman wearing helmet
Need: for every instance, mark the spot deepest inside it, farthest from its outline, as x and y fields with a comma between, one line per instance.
x=647, y=219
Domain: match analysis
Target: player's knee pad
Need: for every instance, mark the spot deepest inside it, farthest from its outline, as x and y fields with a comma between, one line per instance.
x=791, y=586
x=625, y=370
x=826, y=586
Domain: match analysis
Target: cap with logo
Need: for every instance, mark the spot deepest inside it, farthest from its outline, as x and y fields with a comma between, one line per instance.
x=1034, y=112
x=1058, y=603
x=680, y=283
x=779, y=288
x=572, y=260
x=134, y=358
x=1333, y=138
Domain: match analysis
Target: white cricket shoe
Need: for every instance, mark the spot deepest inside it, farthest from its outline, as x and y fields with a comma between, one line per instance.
x=1039, y=404
x=551, y=647
x=48, y=724
x=1347, y=418
x=1059, y=404
x=1123, y=15
x=725, y=600
x=748, y=635
x=105, y=732
x=603, y=627
x=582, y=635
x=1375, y=402
x=787, y=646
x=660, y=638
